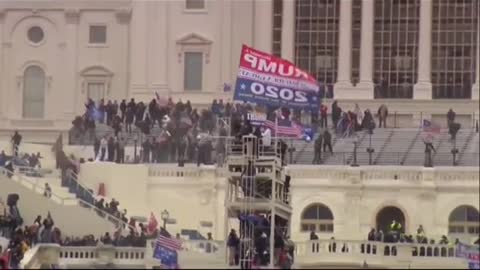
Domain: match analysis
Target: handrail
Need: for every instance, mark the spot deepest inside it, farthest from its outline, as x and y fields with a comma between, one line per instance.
x=461, y=153
x=34, y=183
x=91, y=207
x=86, y=189
x=385, y=143
x=410, y=146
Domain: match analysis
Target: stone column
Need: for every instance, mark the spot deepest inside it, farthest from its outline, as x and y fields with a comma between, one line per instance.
x=158, y=47
x=226, y=50
x=288, y=30
x=263, y=28
x=365, y=86
x=475, y=88
x=139, y=49
x=343, y=87
x=423, y=88
x=3, y=94
x=73, y=98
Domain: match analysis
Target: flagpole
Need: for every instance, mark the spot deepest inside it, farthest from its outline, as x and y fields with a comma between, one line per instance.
x=276, y=133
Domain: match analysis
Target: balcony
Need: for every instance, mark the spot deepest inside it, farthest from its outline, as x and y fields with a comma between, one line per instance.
x=212, y=254
x=363, y=254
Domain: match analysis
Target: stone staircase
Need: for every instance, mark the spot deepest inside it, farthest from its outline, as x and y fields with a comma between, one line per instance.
x=68, y=212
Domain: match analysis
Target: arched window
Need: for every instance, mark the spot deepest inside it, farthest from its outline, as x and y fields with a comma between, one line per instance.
x=464, y=220
x=33, y=92
x=318, y=218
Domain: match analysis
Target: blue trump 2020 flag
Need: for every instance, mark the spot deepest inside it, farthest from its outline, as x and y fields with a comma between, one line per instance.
x=168, y=257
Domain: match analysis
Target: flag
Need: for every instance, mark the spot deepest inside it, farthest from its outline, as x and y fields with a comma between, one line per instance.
x=152, y=224
x=470, y=253
x=168, y=242
x=227, y=87
x=167, y=257
x=430, y=128
x=285, y=127
x=265, y=79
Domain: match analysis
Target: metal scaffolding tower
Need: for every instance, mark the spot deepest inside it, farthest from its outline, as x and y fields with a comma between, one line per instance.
x=256, y=201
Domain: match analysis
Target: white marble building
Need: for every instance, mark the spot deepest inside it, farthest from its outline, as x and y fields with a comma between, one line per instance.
x=55, y=54
x=339, y=201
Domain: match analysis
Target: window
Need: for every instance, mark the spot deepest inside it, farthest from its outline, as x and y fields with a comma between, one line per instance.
x=96, y=90
x=98, y=34
x=195, y=4
x=318, y=218
x=193, y=72
x=316, y=40
x=277, y=28
x=395, y=47
x=33, y=92
x=464, y=220
x=35, y=34
x=454, y=43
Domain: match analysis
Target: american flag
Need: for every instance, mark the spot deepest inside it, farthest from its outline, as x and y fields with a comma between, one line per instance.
x=430, y=128
x=285, y=128
x=169, y=243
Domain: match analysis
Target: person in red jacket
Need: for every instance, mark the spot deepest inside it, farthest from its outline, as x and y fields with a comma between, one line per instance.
x=323, y=116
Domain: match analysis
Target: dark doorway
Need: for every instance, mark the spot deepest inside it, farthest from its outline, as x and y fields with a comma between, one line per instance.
x=387, y=215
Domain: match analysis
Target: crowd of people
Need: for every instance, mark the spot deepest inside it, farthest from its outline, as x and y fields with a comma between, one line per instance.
x=187, y=134
x=23, y=237
x=257, y=253
x=394, y=234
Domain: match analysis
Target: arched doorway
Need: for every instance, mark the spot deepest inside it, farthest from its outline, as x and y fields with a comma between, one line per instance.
x=387, y=215
x=33, y=92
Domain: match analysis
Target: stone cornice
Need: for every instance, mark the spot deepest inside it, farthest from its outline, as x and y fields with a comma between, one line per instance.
x=63, y=5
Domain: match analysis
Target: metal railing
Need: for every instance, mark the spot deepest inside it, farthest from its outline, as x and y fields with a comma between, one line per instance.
x=87, y=198
x=35, y=186
x=396, y=158
x=395, y=119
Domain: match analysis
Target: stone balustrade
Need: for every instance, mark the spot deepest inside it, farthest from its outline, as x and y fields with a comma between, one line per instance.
x=49, y=254
x=358, y=253
x=366, y=173
x=211, y=254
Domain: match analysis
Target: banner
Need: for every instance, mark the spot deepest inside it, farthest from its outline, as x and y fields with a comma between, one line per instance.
x=470, y=253
x=268, y=80
x=257, y=116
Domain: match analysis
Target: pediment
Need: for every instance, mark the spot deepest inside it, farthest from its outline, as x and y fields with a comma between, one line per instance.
x=193, y=39
x=96, y=71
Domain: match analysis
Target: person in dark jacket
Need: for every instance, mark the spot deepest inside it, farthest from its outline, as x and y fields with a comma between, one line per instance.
x=450, y=117
x=232, y=243
x=111, y=149
x=382, y=115
x=16, y=140
x=147, y=147
x=123, y=110
x=182, y=146
x=327, y=141
x=371, y=235
x=336, y=113
x=96, y=147
x=318, y=149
